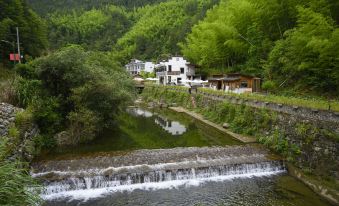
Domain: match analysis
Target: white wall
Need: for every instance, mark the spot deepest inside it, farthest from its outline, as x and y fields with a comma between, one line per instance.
x=135, y=66
x=149, y=67
x=177, y=63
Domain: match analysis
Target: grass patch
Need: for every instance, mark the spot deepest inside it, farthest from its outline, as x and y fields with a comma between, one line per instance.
x=17, y=185
x=311, y=102
x=307, y=102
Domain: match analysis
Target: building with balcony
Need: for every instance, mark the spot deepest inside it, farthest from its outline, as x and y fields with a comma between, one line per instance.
x=135, y=67
x=174, y=71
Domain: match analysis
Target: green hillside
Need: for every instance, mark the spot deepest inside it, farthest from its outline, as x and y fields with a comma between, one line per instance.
x=45, y=7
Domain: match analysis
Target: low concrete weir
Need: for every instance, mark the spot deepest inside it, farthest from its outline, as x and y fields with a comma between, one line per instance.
x=151, y=169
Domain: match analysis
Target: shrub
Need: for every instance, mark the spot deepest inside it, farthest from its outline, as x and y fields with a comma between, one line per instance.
x=83, y=125
x=17, y=186
x=8, y=92
x=13, y=132
x=72, y=83
x=269, y=86
x=23, y=120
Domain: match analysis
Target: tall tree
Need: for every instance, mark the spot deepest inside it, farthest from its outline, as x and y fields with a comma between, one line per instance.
x=308, y=57
x=33, y=33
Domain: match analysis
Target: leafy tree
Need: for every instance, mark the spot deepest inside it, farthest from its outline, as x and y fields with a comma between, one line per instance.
x=72, y=83
x=290, y=43
x=33, y=33
x=308, y=57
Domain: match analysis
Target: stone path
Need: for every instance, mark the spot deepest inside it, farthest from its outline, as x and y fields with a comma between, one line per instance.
x=242, y=138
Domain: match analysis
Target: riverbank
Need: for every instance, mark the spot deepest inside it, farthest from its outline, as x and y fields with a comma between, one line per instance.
x=306, y=143
x=18, y=138
x=326, y=192
x=242, y=138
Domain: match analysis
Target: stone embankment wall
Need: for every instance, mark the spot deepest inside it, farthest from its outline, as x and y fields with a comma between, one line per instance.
x=307, y=138
x=24, y=141
x=308, y=113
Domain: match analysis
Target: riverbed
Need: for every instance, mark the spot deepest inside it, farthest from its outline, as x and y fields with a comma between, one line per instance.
x=160, y=157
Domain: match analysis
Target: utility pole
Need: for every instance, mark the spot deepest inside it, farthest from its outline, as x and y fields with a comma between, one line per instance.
x=18, y=42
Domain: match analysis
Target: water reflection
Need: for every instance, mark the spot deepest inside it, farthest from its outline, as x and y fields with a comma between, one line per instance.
x=172, y=127
x=140, y=112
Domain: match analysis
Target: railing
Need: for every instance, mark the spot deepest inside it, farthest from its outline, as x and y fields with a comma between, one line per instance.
x=173, y=73
x=168, y=73
x=161, y=73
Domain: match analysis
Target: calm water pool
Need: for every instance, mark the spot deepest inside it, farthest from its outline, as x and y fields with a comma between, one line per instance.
x=148, y=129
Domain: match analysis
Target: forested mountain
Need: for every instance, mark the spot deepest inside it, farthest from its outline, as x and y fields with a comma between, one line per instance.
x=144, y=32
x=161, y=27
x=33, y=30
x=96, y=29
x=45, y=7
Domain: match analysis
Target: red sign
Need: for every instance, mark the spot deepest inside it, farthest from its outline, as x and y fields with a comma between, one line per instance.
x=14, y=57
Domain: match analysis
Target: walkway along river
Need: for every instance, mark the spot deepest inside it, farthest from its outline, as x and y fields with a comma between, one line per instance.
x=159, y=157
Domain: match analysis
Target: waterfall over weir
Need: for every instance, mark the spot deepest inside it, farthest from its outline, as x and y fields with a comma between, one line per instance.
x=151, y=169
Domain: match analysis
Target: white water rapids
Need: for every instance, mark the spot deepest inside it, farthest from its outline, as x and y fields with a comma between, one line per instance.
x=192, y=167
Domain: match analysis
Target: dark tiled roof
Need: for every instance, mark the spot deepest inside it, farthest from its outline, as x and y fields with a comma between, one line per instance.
x=227, y=79
x=230, y=79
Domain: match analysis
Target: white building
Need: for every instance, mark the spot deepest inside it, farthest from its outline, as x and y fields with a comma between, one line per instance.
x=135, y=67
x=149, y=67
x=174, y=71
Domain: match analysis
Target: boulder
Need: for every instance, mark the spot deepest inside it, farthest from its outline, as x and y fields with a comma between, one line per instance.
x=63, y=138
x=226, y=125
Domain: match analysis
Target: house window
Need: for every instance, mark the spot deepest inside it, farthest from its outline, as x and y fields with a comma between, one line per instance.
x=169, y=68
x=182, y=70
x=177, y=59
x=169, y=79
x=244, y=84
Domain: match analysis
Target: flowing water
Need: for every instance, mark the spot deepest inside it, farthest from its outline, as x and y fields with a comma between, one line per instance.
x=170, y=160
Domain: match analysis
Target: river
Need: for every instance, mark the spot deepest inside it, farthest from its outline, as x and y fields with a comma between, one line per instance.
x=159, y=157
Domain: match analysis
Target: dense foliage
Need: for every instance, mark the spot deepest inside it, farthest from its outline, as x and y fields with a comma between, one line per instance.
x=308, y=56
x=279, y=40
x=96, y=29
x=17, y=186
x=32, y=29
x=160, y=28
x=145, y=32
x=44, y=7
x=74, y=90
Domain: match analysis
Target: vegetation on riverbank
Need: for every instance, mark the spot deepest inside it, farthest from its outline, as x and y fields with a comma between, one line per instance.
x=15, y=181
x=17, y=186
x=260, y=123
x=75, y=91
x=314, y=102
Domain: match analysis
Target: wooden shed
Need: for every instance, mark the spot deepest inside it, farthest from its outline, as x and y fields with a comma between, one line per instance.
x=236, y=82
